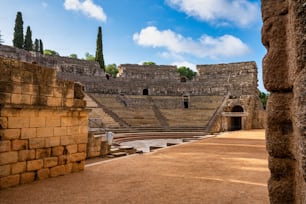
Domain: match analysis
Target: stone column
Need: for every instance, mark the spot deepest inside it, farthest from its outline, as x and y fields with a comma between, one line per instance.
x=283, y=34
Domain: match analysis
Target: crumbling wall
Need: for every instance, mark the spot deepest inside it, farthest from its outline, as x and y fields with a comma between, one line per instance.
x=283, y=34
x=43, y=124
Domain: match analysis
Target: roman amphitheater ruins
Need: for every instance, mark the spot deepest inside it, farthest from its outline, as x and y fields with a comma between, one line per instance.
x=44, y=119
x=54, y=111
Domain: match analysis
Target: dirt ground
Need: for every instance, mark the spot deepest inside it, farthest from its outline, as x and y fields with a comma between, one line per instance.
x=230, y=168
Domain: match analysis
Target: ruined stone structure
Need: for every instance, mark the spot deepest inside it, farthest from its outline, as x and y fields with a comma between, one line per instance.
x=283, y=34
x=43, y=124
x=156, y=98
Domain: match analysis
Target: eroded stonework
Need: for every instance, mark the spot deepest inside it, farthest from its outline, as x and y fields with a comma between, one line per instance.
x=283, y=34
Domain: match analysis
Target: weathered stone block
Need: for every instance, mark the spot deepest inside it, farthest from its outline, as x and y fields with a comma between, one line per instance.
x=5, y=146
x=57, y=171
x=8, y=157
x=67, y=140
x=81, y=147
x=18, y=122
x=83, y=138
x=42, y=174
x=10, y=134
x=21, y=99
x=53, y=101
x=72, y=148
x=5, y=170
x=63, y=159
x=53, y=122
x=52, y=141
x=50, y=162
x=35, y=143
x=3, y=122
x=57, y=151
x=24, y=155
x=45, y=132
x=34, y=165
x=68, y=168
x=20, y=144
x=78, y=166
x=19, y=167
x=38, y=122
x=280, y=190
x=27, y=177
x=43, y=153
x=60, y=131
x=73, y=131
x=9, y=181
x=66, y=121
x=27, y=133
x=77, y=157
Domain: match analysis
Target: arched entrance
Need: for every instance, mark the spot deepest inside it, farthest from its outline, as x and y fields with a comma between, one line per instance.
x=186, y=101
x=145, y=92
x=236, y=122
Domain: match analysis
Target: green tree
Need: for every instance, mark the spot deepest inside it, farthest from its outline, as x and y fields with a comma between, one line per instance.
x=41, y=47
x=28, y=43
x=186, y=72
x=51, y=52
x=75, y=56
x=148, y=63
x=36, y=45
x=18, y=31
x=99, y=50
x=89, y=56
x=112, y=70
x=263, y=98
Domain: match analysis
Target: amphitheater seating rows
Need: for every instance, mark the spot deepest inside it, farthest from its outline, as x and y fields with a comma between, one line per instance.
x=138, y=111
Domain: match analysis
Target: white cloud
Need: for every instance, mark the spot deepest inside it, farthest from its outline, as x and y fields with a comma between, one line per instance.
x=87, y=7
x=206, y=46
x=239, y=12
x=185, y=64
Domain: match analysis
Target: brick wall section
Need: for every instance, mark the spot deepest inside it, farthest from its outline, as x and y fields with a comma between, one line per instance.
x=283, y=34
x=43, y=124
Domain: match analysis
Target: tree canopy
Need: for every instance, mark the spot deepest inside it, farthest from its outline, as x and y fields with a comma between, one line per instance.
x=186, y=72
x=28, y=43
x=112, y=70
x=75, y=56
x=51, y=52
x=18, y=31
x=263, y=98
x=89, y=56
x=148, y=63
x=99, y=49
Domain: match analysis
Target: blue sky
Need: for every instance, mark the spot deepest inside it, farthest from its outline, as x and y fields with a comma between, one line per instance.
x=178, y=32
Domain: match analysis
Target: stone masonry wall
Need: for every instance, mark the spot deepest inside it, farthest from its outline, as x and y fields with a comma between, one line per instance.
x=43, y=124
x=283, y=34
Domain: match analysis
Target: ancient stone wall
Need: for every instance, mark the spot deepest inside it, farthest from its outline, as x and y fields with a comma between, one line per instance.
x=43, y=124
x=283, y=34
x=238, y=78
x=67, y=68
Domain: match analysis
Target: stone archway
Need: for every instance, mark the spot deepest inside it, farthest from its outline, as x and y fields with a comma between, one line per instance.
x=145, y=92
x=236, y=121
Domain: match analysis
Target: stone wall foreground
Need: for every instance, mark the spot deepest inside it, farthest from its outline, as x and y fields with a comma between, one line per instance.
x=283, y=34
x=43, y=124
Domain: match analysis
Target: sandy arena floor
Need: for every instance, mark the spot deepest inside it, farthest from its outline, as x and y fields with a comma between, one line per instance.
x=230, y=168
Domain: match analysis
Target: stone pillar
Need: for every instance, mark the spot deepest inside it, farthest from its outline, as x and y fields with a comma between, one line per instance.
x=283, y=34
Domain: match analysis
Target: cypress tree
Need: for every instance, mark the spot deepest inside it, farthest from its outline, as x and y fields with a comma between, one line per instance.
x=41, y=47
x=28, y=43
x=18, y=31
x=99, y=50
x=36, y=45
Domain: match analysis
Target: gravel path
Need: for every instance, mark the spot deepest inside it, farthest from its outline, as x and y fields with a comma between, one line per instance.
x=230, y=168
